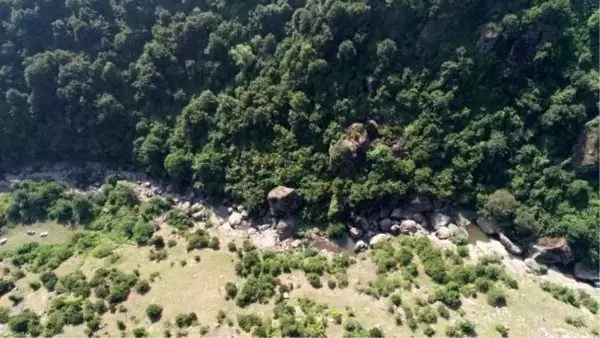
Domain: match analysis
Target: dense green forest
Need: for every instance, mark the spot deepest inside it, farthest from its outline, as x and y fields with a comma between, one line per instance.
x=478, y=103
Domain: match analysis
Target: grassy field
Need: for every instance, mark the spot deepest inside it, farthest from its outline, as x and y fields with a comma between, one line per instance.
x=198, y=287
x=17, y=236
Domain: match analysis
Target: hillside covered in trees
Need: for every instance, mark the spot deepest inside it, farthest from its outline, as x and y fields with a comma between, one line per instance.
x=483, y=104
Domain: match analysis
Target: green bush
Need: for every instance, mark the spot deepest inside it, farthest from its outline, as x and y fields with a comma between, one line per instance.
x=231, y=247
x=314, y=280
x=35, y=285
x=256, y=289
x=429, y=331
x=230, y=291
x=502, y=330
x=496, y=297
x=577, y=322
x=443, y=311
x=396, y=299
x=154, y=312
x=140, y=332
x=171, y=243
x=186, y=319
x=427, y=315
x=331, y=284
x=142, y=286
x=214, y=243
x=248, y=321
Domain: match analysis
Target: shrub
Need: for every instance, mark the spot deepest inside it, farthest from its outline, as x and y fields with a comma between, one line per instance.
x=502, y=330
x=140, y=332
x=396, y=299
x=577, y=322
x=314, y=280
x=331, y=284
x=121, y=325
x=185, y=320
x=429, y=331
x=4, y=315
x=6, y=286
x=247, y=321
x=35, y=285
x=214, y=243
x=462, y=251
x=171, y=242
x=25, y=322
x=154, y=312
x=204, y=330
x=496, y=297
x=100, y=291
x=336, y=316
x=142, y=287
x=230, y=291
x=256, y=289
x=15, y=299
x=335, y=230
x=483, y=284
x=443, y=311
x=197, y=258
x=427, y=315
x=183, y=262
x=231, y=247
x=158, y=242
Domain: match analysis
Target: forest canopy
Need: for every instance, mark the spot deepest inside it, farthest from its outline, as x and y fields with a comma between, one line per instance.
x=477, y=103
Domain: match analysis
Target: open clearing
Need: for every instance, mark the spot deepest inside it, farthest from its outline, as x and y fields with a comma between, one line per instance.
x=17, y=236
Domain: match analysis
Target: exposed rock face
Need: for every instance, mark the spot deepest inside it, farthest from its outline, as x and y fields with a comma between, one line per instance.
x=199, y=215
x=437, y=220
x=456, y=231
x=284, y=228
x=420, y=204
x=487, y=225
x=585, y=152
x=552, y=251
x=586, y=273
x=379, y=238
x=463, y=218
x=509, y=245
x=283, y=201
x=489, y=35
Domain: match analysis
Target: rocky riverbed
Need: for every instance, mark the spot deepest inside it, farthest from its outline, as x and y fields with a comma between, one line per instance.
x=276, y=229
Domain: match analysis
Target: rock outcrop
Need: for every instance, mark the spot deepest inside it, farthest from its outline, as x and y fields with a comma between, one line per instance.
x=379, y=238
x=550, y=251
x=488, y=38
x=284, y=228
x=509, y=245
x=585, y=152
x=283, y=201
x=586, y=273
x=438, y=220
x=419, y=204
x=487, y=225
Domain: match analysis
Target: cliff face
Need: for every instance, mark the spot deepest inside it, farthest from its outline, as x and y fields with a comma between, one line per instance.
x=585, y=153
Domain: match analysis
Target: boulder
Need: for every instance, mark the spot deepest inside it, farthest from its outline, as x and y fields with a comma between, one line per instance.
x=360, y=246
x=284, y=228
x=463, y=218
x=199, y=215
x=487, y=225
x=456, y=231
x=196, y=207
x=296, y=243
x=533, y=266
x=419, y=218
x=252, y=232
x=235, y=219
x=384, y=212
x=418, y=203
x=185, y=206
x=509, y=245
x=397, y=214
x=442, y=233
x=552, y=250
x=355, y=232
x=264, y=227
x=586, y=273
x=361, y=222
x=408, y=226
x=283, y=201
x=379, y=238
x=437, y=220
x=244, y=214
x=385, y=224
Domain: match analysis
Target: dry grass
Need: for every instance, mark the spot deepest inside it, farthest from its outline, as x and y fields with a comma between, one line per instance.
x=18, y=236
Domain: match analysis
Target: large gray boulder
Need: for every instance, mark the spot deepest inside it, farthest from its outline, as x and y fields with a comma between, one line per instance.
x=284, y=228
x=509, y=245
x=487, y=225
x=533, y=266
x=399, y=214
x=586, y=273
x=408, y=226
x=235, y=219
x=463, y=218
x=356, y=232
x=360, y=246
x=283, y=201
x=552, y=250
x=438, y=219
x=379, y=238
x=385, y=224
x=442, y=233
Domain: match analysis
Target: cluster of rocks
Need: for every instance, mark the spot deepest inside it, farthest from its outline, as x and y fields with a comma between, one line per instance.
x=417, y=217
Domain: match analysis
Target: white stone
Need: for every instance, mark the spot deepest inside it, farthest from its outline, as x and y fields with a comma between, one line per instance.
x=437, y=220
x=442, y=233
x=235, y=219
x=379, y=238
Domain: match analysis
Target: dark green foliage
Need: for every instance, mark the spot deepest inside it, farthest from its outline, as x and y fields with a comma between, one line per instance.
x=25, y=322
x=154, y=312
x=314, y=280
x=179, y=219
x=496, y=297
x=256, y=289
x=248, y=321
x=569, y=296
x=230, y=290
x=502, y=330
x=121, y=325
x=49, y=280
x=76, y=283
x=140, y=332
x=15, y=299
x=429, y=331
x=236, y=99
x=577, y=322
x=6, y=286
x=142, y=286
x=186, y=319
x=231, y=247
